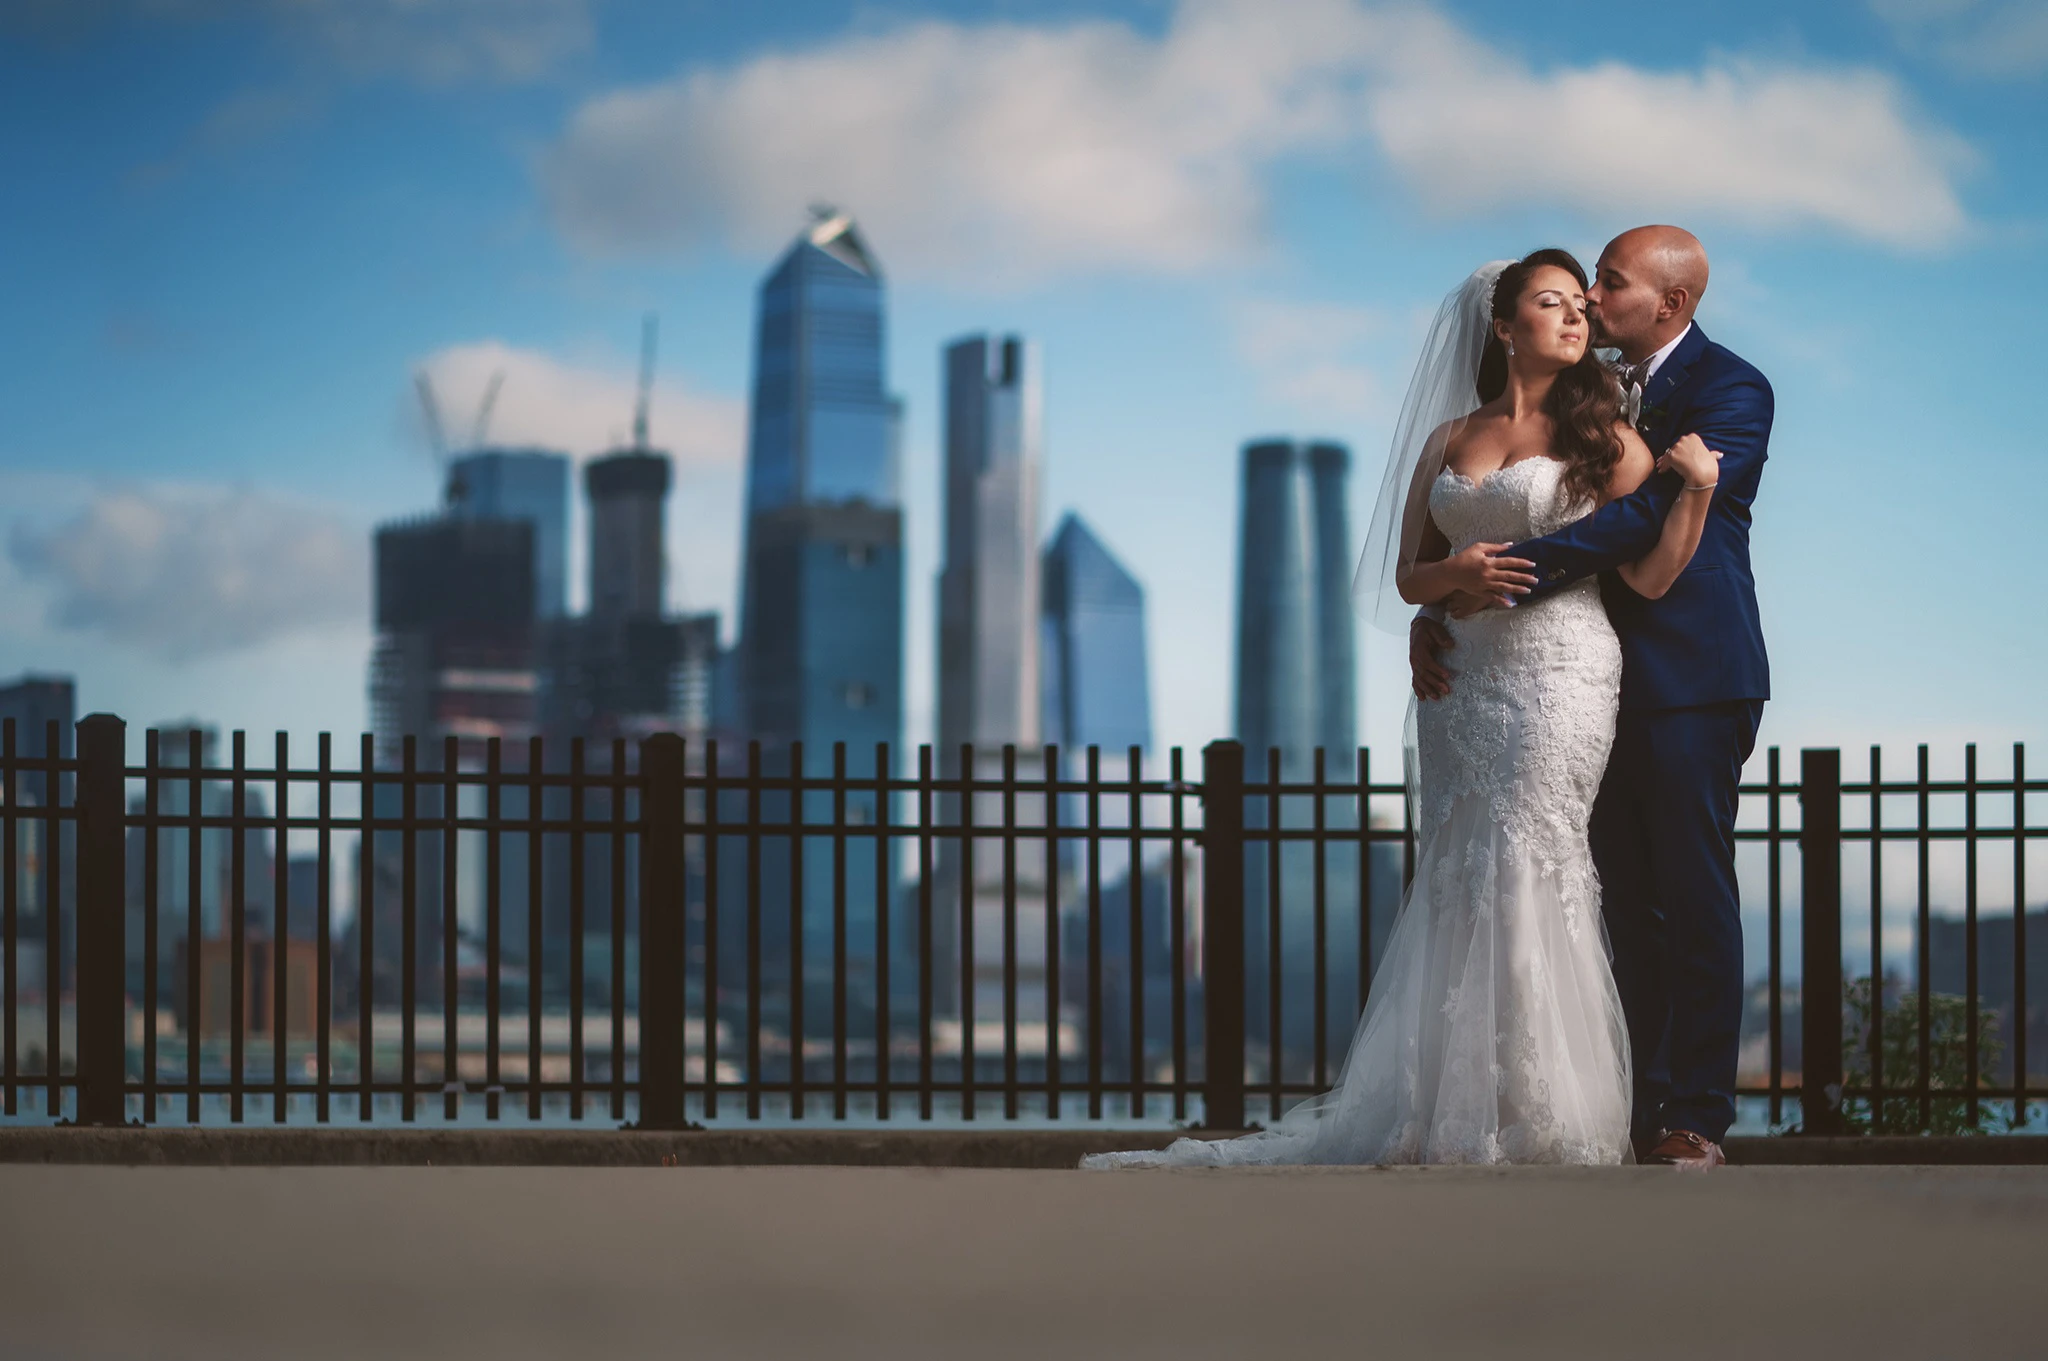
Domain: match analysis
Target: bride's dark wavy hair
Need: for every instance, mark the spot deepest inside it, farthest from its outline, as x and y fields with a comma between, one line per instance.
x=1584, y=400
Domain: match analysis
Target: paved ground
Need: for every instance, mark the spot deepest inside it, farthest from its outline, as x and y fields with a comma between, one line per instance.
x=714, y=1263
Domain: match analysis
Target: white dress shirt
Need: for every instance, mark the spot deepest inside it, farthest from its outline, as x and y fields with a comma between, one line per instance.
x=1656, y=361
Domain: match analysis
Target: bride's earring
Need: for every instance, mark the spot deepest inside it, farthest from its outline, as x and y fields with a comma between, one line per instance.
x=1511, y=349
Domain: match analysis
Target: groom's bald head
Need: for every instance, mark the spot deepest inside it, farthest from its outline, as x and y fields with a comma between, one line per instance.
x=1649, y=284
x=1669, y=258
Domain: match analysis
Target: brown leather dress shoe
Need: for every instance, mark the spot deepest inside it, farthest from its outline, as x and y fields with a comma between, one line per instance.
x=1683, y=1148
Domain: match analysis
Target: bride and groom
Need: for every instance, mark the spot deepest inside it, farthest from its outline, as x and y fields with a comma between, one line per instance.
x=1590, y=672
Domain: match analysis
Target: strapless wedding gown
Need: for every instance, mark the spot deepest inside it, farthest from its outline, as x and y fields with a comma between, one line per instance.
x=1493, y=1032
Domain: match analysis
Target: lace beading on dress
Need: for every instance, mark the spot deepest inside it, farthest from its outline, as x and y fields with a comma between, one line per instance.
x=1493, y=1031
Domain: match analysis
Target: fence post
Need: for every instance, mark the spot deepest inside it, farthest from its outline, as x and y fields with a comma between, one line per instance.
x=102, y=1021
x=1223, y=935
x=1820, y=931
x=661, y=933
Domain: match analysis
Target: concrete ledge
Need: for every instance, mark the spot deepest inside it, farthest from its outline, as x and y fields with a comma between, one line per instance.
x=607, y=1147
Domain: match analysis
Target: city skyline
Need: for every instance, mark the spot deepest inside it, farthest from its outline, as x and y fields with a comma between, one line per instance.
x=191, y=471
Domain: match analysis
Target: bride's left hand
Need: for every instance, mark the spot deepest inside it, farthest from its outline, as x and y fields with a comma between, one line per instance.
x=1693, y=461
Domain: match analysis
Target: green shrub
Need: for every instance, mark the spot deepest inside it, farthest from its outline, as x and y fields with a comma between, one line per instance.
x=1948, y=1110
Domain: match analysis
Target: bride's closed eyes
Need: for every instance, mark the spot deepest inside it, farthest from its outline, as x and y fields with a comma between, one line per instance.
x=1551, y=297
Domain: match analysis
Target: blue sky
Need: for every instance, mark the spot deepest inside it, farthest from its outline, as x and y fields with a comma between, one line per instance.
x=232, y=231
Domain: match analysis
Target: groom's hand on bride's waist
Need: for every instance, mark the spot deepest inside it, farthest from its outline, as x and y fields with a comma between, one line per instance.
x=1427, y=640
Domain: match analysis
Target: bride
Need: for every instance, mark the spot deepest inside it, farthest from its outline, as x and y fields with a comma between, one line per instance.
x=1493, y=1032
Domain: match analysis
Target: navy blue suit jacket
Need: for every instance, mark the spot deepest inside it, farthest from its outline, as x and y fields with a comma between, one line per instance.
x=1702, y=643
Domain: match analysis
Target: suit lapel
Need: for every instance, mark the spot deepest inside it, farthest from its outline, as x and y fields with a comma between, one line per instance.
x=1670, y=374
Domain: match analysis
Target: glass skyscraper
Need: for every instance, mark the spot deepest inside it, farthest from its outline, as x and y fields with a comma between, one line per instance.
x=1296, y=691
x=821, y=612
x=821, y=599
x=1096, y=692
x=521, y=484
x=1095, y=678
x=988, y=658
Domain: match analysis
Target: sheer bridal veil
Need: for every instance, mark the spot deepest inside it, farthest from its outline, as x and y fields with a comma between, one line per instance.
x=1444, y=391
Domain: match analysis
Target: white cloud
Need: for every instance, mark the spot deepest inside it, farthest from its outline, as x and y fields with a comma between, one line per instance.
x=184, y=572
x=1763, y=145
x=580, y=410
x=1307, y=355
x=2003, y=38
x=970, y=150
x=1003, y=151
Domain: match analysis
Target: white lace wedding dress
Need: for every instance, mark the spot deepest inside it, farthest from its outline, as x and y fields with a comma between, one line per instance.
x=1493, y=1032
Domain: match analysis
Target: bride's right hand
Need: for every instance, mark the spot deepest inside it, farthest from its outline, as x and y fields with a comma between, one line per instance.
x=1481, y=571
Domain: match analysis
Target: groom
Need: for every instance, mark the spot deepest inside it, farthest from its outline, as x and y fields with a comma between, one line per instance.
x=1694, y=682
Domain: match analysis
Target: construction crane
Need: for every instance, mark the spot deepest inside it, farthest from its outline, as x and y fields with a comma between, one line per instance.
x=647, y=327
x=430, y=409
x=483, y=410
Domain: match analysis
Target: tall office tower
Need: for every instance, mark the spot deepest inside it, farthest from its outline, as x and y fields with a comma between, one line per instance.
x=989, y=581
x=1096, y=680
x=988, y=658
x=629, y=668
x=628, y=491
x=33, y=703
x=821, y=608
x=822, y=593
x=1296, y=691
x=455, y=627
x=455, y=657
x=1096, y=684
x=521, y=484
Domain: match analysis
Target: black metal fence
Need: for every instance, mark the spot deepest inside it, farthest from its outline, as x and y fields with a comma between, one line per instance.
x=661, y=932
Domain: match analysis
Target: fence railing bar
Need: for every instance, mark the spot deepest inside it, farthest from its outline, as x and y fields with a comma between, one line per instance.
x=1095, y=1017
x=1009, y=851
x=1970, y=1019
x=713, y=901
x=1134, y=887
x=1876, y=1045
x=576, y=847
x=617, y=795
x=280, y=933
x=755, y=1076
x=885, y=907
x=839, y=941
x=494, y=930
x=1774, y=790
x=925, y=789
x=1176, y=937
x=1275, y=911
x=323, y=980
x=238, y=943
x=1924, y=1083
x=451, y=1065
x=1319, y=939
x=536, y=926
x=10, y=908
x=798, y=852
x=2019, y=934
x=151, y=945
x=366, y=940
x=1054, y=955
